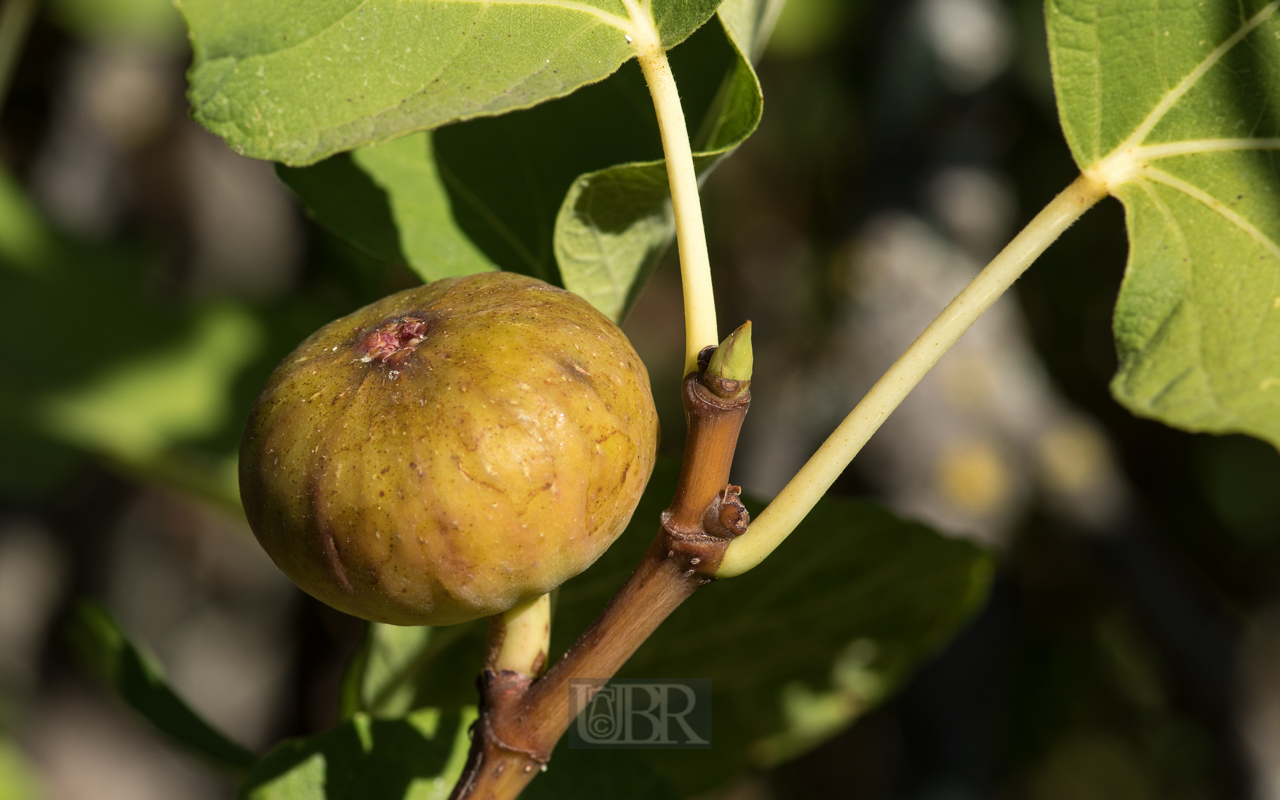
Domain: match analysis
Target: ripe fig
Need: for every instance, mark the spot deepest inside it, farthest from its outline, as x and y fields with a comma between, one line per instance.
x=449, y=451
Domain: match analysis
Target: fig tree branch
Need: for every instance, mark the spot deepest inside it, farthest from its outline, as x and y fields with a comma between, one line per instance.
x=804, y=490
x=521, y=720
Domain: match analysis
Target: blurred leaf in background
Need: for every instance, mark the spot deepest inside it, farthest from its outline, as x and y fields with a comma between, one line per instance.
x=1240, y=476
x=418, y=757
x=851, y=604
x=142, y=22
x=382, y=676
x=789, y=667
x=806, y=27
x=589, y=774
x=17, y=776
x=96, y=361
x=104, y=650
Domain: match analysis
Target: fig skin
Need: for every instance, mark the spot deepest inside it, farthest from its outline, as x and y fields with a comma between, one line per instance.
x=449, y=451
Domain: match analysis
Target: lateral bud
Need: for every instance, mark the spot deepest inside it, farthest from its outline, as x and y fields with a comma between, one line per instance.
x=728, y=370
x=726, y=517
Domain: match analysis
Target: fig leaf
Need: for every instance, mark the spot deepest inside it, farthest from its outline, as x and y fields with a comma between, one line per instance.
x=1174, y=107
x=298, y=81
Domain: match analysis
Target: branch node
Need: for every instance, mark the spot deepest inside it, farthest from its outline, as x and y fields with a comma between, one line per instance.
x=726, y=517
x=503, y=692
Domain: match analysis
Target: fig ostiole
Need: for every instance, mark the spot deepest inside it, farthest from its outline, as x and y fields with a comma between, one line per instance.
x=450, y=451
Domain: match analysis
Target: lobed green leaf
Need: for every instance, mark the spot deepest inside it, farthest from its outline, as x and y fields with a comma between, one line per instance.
x=615, y=224
x=298, y=81
x=1174, y=106
x=572, y=192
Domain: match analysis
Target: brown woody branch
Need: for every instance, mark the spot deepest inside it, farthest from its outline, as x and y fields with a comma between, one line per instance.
x=521, y=719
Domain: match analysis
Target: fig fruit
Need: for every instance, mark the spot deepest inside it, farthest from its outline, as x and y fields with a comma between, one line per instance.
x=449, y=451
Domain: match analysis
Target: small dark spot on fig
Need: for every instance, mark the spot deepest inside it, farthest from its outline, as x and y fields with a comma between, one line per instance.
x=382, y=494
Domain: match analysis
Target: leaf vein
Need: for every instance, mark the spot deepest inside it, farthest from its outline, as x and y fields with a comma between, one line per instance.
x=1153, y=152
x=1191, y=308
x=1215, y=205
x=1171, y=222
x=1184, y=86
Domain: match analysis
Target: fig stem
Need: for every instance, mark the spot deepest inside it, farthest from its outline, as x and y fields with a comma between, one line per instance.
x=521, y=720
x=804, y=490
x=520, y=638
x=691, y=239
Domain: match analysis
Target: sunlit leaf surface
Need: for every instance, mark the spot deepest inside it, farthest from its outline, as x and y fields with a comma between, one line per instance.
x=297, y=81
x=389, y=203
x=572, y=192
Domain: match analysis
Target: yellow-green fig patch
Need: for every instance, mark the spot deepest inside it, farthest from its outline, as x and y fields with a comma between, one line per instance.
x=449, y=451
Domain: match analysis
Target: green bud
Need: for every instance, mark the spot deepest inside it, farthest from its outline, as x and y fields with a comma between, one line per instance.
x=728, y=373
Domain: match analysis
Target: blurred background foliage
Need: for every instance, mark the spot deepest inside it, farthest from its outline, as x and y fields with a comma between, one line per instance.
x=149, y=280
